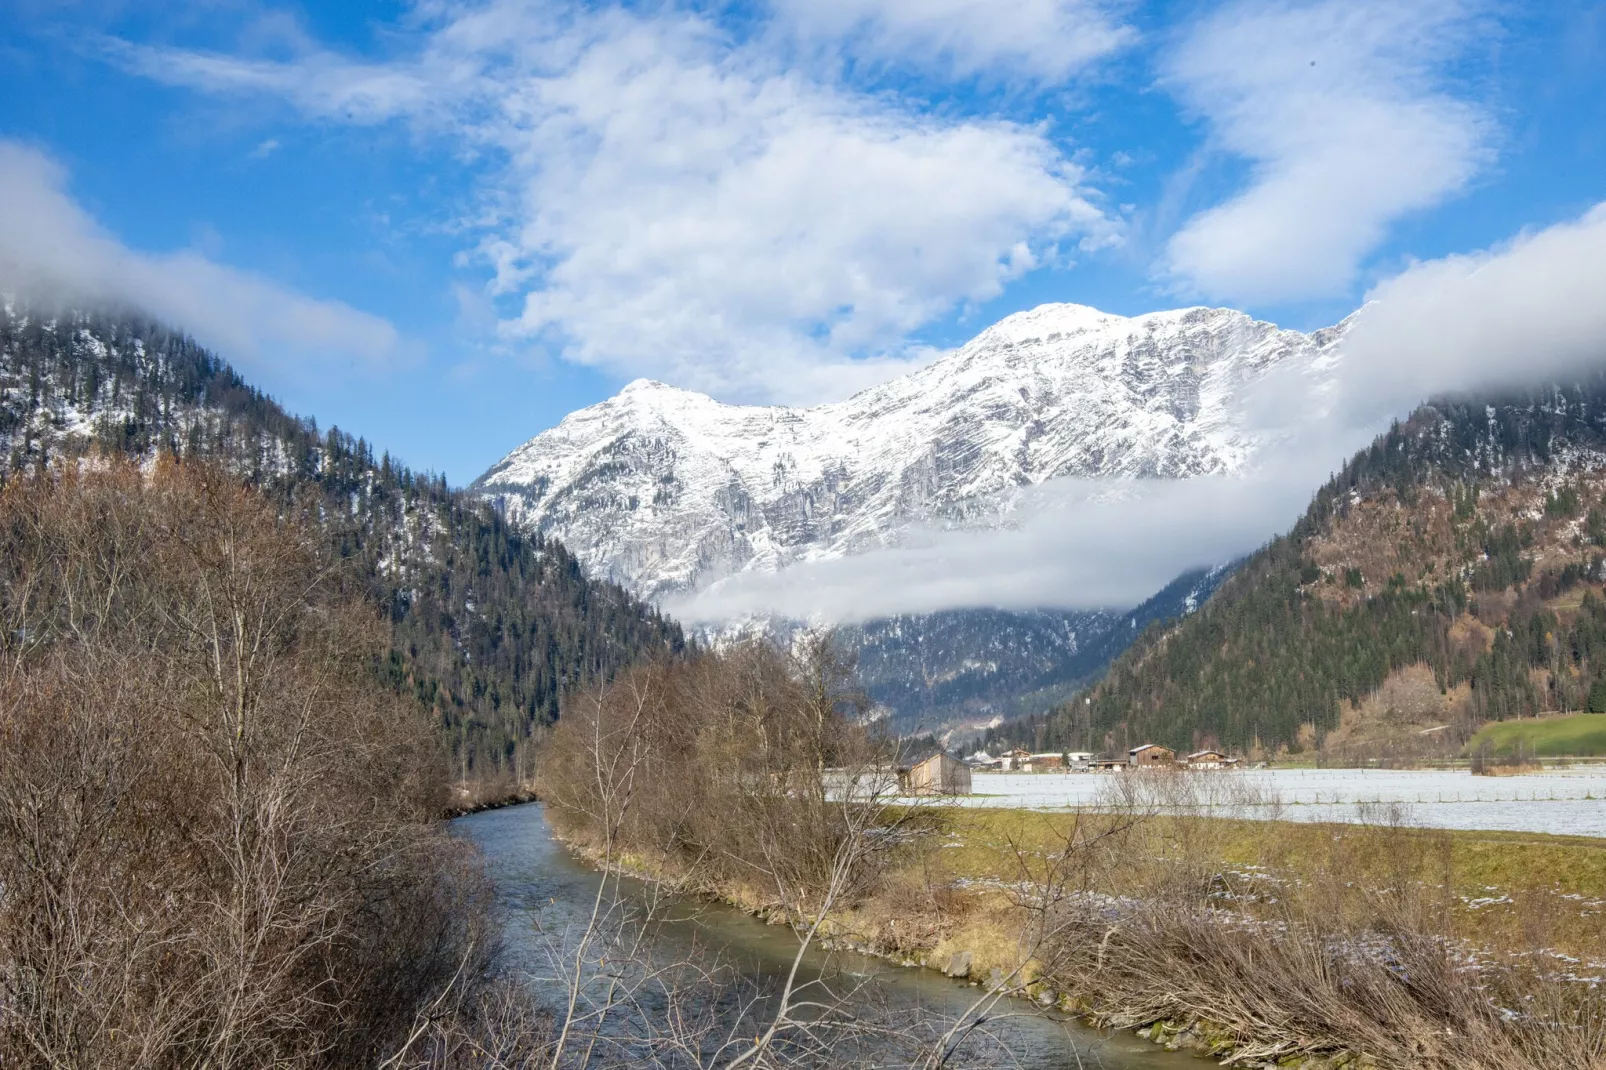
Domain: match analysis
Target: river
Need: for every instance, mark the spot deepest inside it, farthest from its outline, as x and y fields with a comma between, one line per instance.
x=546, y=893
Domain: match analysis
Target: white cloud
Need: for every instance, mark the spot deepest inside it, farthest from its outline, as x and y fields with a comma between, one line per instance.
x=1042, y=40
x=676, y=205
x=1530, y=311
x=1083, y=544
x=320, y=82
x=1337, y=106
x=50, y=247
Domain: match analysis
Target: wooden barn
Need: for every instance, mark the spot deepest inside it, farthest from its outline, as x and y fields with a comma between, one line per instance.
x=1150, y=754
x=940, y=774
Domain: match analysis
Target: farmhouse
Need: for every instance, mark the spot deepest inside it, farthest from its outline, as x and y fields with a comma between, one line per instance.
x=940, y=774
x=1150, y=754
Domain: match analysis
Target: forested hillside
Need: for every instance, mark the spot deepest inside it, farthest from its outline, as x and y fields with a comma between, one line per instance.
x=970, y=667
x=488, y=625
x=1449, y=575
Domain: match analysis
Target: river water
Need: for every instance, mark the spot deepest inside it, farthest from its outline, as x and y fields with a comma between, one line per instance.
x=546, y=895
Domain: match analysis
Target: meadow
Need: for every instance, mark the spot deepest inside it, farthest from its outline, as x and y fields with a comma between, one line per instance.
x=1579, y=735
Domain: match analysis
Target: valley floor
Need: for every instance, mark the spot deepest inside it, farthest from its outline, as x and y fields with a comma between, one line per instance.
x=1570, y=801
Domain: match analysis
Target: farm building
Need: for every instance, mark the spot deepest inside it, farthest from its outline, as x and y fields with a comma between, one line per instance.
x=1057, y=760
x=1210, y=759
x=1150, y=754
x=940, y=774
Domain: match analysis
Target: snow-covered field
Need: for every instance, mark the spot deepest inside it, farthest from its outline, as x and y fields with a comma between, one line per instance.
x=1563, y=801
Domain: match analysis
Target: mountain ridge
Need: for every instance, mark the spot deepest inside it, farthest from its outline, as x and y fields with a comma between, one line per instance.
x=668, y=491
x=489, y=625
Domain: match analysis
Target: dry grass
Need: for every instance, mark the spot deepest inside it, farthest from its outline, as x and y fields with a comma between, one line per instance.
x=1419, y=948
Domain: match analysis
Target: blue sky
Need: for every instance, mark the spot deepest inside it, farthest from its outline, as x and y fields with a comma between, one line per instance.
x=445, y=225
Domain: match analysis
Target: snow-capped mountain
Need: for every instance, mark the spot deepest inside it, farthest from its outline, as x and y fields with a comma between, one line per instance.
x=667, y=490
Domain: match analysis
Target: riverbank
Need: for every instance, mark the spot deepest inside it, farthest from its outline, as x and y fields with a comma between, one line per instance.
x=475, y=798
x=547, y=892
x=961, y=901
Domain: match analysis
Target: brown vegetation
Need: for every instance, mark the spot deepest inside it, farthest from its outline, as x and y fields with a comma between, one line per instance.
x=720, y=761
x=1354, y=949
x=1409, y=719
x=216, y=845
x=1263, y=942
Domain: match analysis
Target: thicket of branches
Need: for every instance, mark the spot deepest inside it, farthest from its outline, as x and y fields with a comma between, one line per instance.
x=749, y=765
x=1353, y=941
x=216, y=836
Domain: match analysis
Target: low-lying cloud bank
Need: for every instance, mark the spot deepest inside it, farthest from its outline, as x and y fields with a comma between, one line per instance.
x=1071, y=543
x=1528, y=312
x=51, y=249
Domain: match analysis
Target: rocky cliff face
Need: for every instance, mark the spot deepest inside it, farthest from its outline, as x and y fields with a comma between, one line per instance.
x=668, y=491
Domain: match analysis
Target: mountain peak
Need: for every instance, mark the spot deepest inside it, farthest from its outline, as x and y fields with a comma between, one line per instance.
x=652, y=388
x=1046, y=320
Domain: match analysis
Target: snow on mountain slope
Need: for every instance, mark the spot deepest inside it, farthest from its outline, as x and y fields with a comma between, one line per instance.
x=668, y=490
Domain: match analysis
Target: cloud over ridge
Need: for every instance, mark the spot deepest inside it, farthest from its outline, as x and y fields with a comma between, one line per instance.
x=50, y=247
x=1526, y=312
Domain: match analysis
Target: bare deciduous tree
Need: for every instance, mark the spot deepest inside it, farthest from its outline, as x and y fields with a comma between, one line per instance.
x=216, y=839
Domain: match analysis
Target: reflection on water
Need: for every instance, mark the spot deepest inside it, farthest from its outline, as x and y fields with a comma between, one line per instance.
x=547, y=895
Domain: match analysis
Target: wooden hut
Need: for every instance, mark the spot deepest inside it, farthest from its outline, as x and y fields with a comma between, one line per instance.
x=940, y=774
x=1150, y=754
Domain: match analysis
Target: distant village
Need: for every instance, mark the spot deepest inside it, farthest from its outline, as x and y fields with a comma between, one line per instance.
x=1147, y=755
x=943, y=774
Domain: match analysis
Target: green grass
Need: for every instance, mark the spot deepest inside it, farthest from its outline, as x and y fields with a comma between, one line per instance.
x=1578, y=735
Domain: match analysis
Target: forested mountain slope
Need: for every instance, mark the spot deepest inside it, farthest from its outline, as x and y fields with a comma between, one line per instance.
x=489, y=624
x=970, y=669
x=1449, y=575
